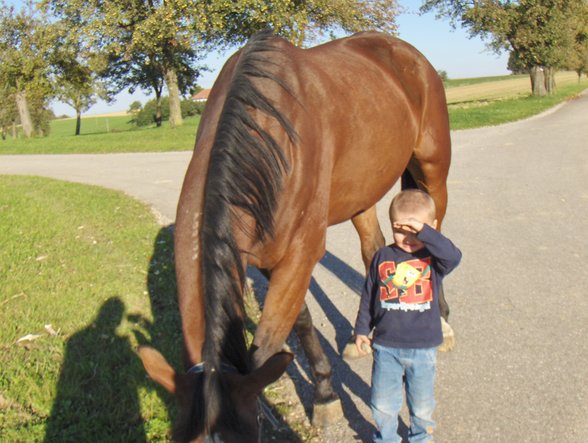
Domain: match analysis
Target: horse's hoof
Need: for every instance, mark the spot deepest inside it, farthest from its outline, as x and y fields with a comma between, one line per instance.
x=325, y=414
x=448, y=337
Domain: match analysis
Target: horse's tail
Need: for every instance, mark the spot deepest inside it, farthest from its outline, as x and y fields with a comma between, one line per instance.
x=245, y=172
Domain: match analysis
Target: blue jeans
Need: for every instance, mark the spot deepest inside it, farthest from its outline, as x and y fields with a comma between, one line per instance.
x=418, y=366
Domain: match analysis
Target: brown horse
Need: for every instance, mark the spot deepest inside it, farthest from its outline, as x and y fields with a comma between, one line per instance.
x=292, y=140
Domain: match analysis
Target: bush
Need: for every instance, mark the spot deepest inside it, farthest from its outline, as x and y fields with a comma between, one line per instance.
x=146, y=116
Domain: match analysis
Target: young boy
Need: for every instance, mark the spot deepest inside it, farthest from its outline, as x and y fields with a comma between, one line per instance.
x=399, y=301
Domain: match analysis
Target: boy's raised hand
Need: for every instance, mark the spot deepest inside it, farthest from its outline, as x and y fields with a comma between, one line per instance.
x=363, y=344
x=411, y=225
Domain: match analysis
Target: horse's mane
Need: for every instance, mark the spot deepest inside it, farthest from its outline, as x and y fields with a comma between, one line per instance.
x=245, y=171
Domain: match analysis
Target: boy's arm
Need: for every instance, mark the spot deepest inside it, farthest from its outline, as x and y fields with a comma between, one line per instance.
x=446, y=254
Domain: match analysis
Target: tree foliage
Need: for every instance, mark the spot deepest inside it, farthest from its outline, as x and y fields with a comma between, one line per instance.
x=152, y=43
x=233, y=22
x=540, y=34
x=75, y=68
x=25, y=44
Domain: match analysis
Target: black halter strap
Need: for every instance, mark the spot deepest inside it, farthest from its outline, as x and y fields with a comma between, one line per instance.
x=263, y=410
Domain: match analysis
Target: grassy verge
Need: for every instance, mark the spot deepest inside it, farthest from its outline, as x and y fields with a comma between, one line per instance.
x=85, y=276
x=105, y=135
x=83, y=261
x=475, y=114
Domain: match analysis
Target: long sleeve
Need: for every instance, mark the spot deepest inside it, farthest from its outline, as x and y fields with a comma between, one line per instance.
x=447, y=255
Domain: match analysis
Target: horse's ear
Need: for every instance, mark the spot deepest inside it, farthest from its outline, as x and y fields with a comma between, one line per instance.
x=268, y=373
x=158, y=368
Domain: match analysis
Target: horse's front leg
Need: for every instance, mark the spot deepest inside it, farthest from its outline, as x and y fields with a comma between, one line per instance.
x=283, y=309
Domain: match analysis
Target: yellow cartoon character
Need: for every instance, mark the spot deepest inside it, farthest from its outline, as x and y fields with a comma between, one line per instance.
x=406, y=276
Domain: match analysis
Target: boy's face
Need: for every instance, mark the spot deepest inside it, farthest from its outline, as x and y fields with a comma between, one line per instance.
x=406, y=240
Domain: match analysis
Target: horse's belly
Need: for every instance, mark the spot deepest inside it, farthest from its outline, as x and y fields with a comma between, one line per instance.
x=365, y=171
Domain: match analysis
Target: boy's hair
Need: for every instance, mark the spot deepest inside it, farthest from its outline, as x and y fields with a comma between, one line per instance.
x=413, y=200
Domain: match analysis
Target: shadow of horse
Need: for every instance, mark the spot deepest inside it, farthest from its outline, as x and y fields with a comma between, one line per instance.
x=97, y=398
x=344, y=375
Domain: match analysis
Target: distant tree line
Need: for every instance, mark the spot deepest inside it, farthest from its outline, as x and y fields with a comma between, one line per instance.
x=542, y=36
x=78, y=51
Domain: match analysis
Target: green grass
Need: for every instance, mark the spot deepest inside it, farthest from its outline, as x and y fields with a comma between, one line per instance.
x=477, y=114
x=94, y=265
x=103, y=135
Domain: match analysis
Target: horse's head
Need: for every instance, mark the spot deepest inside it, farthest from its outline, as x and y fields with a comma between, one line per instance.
x=238, y=416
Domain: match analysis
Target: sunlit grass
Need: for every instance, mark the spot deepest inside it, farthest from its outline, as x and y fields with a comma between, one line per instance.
x=104, y=135
x=95, y=266
x=475, y=114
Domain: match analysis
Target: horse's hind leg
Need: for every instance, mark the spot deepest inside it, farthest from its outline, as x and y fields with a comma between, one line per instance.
x=370, y=235
x=371, y=238
x=327, y=408
x=428, y=170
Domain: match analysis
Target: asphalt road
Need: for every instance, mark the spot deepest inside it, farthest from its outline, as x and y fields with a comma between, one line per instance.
x=519, y=304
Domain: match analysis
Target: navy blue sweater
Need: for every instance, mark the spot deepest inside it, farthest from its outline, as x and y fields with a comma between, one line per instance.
x=400, y=296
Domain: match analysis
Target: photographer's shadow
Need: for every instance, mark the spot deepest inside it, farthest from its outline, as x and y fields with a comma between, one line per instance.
x=97, y=398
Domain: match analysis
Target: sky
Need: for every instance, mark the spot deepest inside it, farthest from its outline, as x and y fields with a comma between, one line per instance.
x=447, y=49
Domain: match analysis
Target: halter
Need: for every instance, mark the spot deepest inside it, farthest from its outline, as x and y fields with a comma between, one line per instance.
x=263, y=409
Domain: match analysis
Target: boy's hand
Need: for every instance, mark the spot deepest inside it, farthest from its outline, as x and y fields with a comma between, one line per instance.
x=409, y=225
x=363, y=344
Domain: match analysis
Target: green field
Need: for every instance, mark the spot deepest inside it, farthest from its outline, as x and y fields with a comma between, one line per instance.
x=85, y=275
x=472, y=103
x=105, y=134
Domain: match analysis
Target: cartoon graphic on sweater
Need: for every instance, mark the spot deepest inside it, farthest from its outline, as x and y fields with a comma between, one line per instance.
x=406, y=286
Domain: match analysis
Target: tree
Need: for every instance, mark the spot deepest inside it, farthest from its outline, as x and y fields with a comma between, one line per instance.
x=578, y=60
x=148, y=43
x=25, y=39
x=539, y=33
x=75, y=69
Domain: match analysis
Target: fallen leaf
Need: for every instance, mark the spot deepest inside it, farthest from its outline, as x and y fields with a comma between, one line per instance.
x=28, y=337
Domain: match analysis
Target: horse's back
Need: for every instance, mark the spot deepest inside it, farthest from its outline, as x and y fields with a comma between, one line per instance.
x=372, y=96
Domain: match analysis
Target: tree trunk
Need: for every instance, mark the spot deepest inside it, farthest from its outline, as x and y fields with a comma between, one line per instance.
x=538, y=81
x=78, y=121
x=24, y=114
x=550, y=80
x=175, y=108
x=157, y=117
